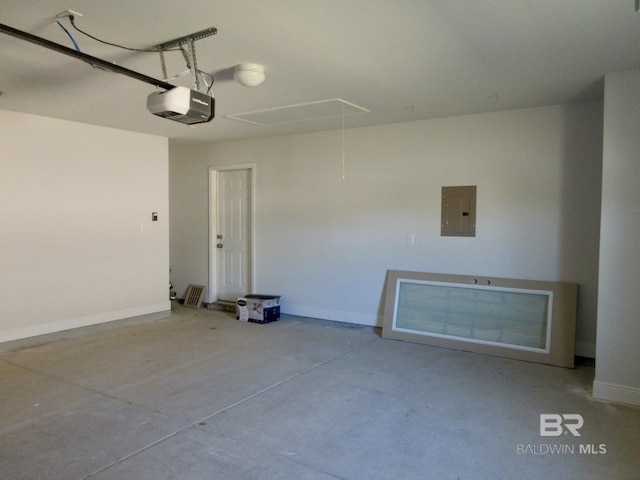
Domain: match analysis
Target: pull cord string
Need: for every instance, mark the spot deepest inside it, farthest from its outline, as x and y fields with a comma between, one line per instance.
x=343, y=163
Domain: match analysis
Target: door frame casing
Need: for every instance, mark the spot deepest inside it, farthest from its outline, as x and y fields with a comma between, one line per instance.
x=213, y=226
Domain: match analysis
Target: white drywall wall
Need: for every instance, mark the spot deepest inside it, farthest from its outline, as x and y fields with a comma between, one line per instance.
x=78, y=246
x=325, y=243
x=618, y=365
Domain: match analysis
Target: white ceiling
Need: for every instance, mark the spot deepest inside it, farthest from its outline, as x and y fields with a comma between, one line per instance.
x=402, y=60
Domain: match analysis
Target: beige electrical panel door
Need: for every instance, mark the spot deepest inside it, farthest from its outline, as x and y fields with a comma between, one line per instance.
x=458, y=211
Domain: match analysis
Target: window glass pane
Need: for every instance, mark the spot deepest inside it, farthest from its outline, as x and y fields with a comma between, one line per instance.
x=482, y=314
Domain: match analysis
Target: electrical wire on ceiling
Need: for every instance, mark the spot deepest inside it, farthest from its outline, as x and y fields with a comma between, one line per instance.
x=75, y=44
x=109, y=66
x=203, y=75
x=73, y=40
x=147, y=50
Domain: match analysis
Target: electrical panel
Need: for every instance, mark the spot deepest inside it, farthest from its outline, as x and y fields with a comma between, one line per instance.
x=458, y=217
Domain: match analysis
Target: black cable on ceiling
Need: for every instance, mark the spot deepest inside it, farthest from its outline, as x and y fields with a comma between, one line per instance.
x=147, y=50
x=144, y=50
x=43, y=42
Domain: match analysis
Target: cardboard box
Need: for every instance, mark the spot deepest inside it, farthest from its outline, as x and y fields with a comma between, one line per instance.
x=258, y=308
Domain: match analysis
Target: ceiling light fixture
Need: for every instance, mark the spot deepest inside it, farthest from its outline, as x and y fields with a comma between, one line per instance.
x=249, y=74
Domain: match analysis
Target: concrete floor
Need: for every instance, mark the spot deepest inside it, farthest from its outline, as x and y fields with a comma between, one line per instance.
x=200, y=395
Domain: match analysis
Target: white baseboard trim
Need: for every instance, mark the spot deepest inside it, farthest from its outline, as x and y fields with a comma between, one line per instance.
x=616, y=393
x=23, y=334
x=587, y=350
x=335, y=315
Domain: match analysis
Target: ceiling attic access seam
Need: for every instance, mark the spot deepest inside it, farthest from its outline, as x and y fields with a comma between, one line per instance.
x=299, y=112
x=84, y=57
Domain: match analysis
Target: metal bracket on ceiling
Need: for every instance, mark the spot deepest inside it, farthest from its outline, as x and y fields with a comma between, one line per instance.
x=189, y=53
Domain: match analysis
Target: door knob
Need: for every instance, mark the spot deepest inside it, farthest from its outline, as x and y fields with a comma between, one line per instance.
x=219, y=245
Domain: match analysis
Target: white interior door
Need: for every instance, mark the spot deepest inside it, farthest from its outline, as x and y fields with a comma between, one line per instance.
x=233, y=233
